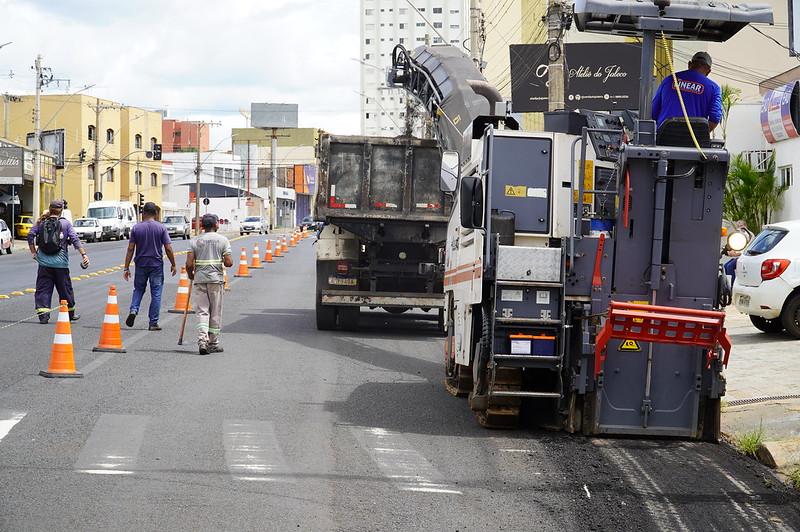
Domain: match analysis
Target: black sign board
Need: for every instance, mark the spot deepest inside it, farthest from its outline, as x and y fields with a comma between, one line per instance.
x=602, y=76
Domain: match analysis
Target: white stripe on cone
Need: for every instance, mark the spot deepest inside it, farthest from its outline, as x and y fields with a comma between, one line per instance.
x=183, y=290
x=63, y=316
x=111, y=318
x=62, y=339
x=112, y=299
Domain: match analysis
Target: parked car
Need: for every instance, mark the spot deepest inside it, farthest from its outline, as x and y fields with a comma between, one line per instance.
x=178, y=226
x=88, y=229
x=253, y=224
x=6, y=241
x=767, y=285
x=310, y=223
x=23, y=225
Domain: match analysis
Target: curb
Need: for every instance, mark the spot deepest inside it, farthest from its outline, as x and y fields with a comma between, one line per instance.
x=782, y=455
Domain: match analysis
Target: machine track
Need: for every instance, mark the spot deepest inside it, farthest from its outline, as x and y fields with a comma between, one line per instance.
x=499, y=412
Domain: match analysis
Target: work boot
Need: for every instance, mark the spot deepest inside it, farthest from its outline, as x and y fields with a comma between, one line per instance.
x=203, y=349
x=154, y=327
x=44, y=319
x=73, y=316
x=131, y=319
x=215, y=349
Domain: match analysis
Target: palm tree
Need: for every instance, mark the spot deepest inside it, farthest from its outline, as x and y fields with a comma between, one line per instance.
x=751, y=195
x=730, y=97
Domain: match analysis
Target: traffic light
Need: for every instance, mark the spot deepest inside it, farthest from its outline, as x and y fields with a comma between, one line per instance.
x=141, y=202
x=82, y=155
x=156, y=152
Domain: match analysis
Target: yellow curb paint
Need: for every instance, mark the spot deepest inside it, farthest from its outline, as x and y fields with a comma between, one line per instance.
x=76, y=278
x=3, y=296
x=94, y=274
x=29, y=290
x=84, y=276
x=17, y=293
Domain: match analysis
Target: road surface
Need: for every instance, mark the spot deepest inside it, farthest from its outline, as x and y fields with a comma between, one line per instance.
x=292, y=428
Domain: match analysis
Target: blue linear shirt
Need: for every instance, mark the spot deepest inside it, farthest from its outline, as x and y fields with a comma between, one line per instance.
x=701, y=95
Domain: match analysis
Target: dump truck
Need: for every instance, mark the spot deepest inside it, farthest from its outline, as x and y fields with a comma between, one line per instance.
x=385, y=222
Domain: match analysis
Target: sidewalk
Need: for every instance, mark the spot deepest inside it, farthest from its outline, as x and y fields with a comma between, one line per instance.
x=763, y=370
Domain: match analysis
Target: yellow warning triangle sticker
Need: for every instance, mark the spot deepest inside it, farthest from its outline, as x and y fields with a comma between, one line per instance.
x=630, y=345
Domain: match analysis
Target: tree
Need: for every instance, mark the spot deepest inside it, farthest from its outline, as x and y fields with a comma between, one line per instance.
x=730, y=97
x=751, y=195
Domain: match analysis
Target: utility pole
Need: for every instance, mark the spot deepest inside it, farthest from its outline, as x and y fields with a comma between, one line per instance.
x=197, y=171
x=273, y=191
x=555, y=55
x=476, y=34
x=138, y=178
x=37, y=137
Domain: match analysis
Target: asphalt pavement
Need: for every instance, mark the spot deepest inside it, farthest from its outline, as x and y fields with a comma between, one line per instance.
x=292, y=428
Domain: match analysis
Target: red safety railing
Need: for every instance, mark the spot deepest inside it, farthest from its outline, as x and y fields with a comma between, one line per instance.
x=667, y=325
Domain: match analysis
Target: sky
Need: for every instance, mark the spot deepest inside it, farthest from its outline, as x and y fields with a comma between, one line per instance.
x=198, y=59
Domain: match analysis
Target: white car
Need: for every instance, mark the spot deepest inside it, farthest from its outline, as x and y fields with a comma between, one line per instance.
x=767, y=285
x=252, y=224
x=88, y=229
x=6, y=242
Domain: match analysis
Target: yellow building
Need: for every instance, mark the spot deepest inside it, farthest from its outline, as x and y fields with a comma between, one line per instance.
x=91, y=124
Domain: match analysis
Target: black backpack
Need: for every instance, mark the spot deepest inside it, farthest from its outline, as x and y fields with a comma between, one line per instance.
x=50, y=236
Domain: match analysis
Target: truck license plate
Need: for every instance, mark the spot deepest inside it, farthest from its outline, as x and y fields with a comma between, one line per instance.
x=744, y=301
x=339, y=281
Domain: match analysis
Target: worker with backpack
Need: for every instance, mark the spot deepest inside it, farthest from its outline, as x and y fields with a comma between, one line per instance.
x=48, y=241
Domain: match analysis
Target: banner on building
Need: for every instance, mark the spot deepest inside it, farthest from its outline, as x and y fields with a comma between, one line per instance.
x=601, y=76
x=779, y=113
x=11, y=165
x=52, y=142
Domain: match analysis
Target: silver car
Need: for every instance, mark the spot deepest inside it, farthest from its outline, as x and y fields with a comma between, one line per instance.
x=178, y=226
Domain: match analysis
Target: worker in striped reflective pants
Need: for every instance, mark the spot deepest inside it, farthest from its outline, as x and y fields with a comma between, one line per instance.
x=210, y=253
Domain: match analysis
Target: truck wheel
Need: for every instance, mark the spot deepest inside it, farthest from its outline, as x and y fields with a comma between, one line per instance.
x=395, y=310
x=348, y=318
x=765, y=325
x=440, y=320
x=791, y=316
x=326, y=315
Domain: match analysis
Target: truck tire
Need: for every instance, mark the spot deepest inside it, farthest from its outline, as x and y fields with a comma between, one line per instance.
x=326, y=315
x=348, y=318
x=396, y=310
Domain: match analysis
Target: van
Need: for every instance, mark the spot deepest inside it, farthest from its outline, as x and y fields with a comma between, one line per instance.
x=116, y=217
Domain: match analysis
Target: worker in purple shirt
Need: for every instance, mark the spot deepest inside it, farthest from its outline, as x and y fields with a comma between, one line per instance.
x=48, y=242
x=148, y=237
x=702, y=97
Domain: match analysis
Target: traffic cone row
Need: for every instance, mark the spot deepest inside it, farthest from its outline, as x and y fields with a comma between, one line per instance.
x=62, y=357
x=268, y=252
x=255, y=262
x=182, y=296
x=244, y=270
x=110, y=334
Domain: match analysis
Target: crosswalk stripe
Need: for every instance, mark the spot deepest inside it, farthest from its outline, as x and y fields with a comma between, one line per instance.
x=252, y=451
x=403, y=465
x=113, y=446
x=9, y=418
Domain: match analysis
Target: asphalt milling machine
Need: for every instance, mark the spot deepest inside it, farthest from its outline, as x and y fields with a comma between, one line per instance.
x=582, y=280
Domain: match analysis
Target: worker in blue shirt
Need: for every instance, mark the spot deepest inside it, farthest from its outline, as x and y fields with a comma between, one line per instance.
x=702, y=97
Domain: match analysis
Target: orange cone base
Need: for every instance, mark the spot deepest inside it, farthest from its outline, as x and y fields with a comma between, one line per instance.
x=109, y=349
x=256, y=267
x=237, y=275
x=178, y=311
x=65, y=375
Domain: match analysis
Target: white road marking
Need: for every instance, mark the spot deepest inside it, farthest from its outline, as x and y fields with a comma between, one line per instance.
x=517, y=451
x=252, y=451
x=404, y=466
x=586, y=489
x=9, y=418
x=113, y=446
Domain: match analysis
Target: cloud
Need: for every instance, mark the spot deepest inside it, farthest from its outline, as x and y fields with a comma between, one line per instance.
x=198, y=59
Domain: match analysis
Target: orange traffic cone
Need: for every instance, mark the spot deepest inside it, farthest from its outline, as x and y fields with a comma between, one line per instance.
x=62, y=358
x=225, y=286
x=278, y=250
x=268, y=253
x=182, y=297
x=255, y=261
x=284, y=247
x=110, y=335
x=244, y=271
x=293, y=240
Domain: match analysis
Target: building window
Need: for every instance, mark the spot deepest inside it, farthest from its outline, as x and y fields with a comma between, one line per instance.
x=437, y=10
x=420, y=24
x=454, y=26
x=454, y=41
x=758, y=159
x=454, y=11
x=110, y=136
x=153, y=142
x=367, y=41
x=218, y=174
x=369, y=11
x=785, y=173
x=437, y=25
x=366, y=57
x=153, y=179
x=366, y=116
x=402, y=40
x=402, y=26
x=90, y=172
x=137, y=142
x=420, y=39
x=90, y=133
x=110, y=175
x=137, y=177
x=437, y=40
x=403, y=10
x=422, y=10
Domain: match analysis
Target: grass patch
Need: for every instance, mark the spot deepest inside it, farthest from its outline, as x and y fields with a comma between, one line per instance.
x=794, y=478
x=749, y=442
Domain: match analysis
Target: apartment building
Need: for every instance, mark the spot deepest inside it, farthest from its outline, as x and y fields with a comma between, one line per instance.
x=387, y=23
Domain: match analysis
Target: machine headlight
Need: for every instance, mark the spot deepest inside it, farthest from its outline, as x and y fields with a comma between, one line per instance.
x=737, y=241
